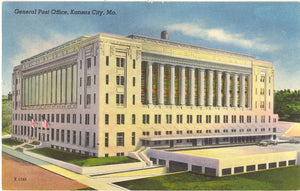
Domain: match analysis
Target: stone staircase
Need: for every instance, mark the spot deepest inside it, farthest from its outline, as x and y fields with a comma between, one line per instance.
x=141, y=156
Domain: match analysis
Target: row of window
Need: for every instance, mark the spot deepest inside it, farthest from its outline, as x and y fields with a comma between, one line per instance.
x=120, y=62
x=58, y=118
x=180, y=132
x=189, y=119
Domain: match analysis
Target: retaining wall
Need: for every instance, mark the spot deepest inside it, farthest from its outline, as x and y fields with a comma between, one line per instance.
x=103, y=169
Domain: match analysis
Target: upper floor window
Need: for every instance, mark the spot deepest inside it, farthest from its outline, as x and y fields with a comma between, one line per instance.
x=89, y=63
x=107, y=60
x=120, y=62
x=88, y=81
x=120, y=80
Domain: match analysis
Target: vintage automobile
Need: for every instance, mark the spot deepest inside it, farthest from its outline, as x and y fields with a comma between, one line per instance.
x=294, y=141
x=267, y=142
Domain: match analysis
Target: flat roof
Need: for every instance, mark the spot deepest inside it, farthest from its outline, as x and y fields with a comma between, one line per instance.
x=229, y=152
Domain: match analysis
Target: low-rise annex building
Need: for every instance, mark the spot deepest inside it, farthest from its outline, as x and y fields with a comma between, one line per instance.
x=107, y=95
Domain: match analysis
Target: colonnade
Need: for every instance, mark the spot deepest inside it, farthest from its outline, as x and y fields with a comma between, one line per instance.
x=227, y=88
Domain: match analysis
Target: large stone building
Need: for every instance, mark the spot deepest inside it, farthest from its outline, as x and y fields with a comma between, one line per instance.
x=107, y=95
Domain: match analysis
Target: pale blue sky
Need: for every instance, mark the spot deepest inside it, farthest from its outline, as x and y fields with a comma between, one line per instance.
x=270, y=31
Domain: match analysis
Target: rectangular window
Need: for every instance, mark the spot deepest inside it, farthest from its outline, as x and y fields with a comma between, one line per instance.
x=62, y=135
x=88, y=81
x=94, y=119
x=225, y=119
x=157, y=119
x=241, y=119
x=133, y=99
x=80, y=100
x=233, y=118
x=199, y=118
x=106, y=119
x=89, y=63
x=80, y=118
x=52, y=117
x=169, y=119
x=94, y=98
x=74, y=118
x=87, y=139
x=120, y=119
x=106, y=98
x=146, y=119
x=80, y=81
x=217, y=118
x=122, y=80
x=52, y=134
x=79, y=137
x=74, y=137
x=57, y=118
x=133, y=63
x=133, y=118
x=208, y=118
x=94, y=140
x=133, y=81
x=120, y=139
x=107, y=79
x=106, y=139
x=57, y=134
x=62, y=118
x=68, y=118
x=68, y=136
x=94, y=79
x=88, y=99
x=118, y=80
x=120, y=99
x=120, y=62
x=133, y=138
x=87, y=119
x=107, y=60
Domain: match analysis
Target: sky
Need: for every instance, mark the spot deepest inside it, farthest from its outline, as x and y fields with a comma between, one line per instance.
x=270, y=30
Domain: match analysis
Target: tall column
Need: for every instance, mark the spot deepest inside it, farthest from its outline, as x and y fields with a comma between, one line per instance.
x=192, y=86
x=227, y=89
x=249, y=90
x=210, y=88
x=149, y=83
x=201, y=86
x=172, y=85
x=235, y=89
x=182, y=86
x=243, y=98
x=219, y=93
x=161, y=90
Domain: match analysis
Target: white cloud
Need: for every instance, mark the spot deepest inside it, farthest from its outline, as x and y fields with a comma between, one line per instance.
x=31, y=46
x=219, y=35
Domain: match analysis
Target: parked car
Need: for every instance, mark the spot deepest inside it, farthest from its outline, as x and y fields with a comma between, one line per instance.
x=294, y=141
x=263, y=143
x=267, y=142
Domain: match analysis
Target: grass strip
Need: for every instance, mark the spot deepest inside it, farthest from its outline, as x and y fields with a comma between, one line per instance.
x=79, y=159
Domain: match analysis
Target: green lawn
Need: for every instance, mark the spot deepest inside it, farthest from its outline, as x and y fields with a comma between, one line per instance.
x=81, y=160
x=11, y=142
x=276, y=179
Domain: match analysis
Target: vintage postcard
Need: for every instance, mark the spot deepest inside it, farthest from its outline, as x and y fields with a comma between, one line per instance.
x=150, y=95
